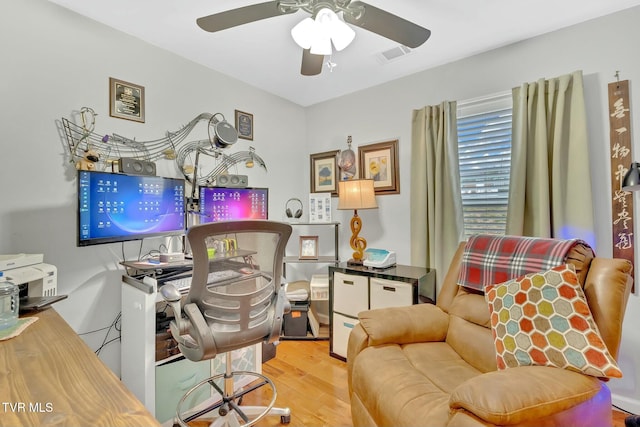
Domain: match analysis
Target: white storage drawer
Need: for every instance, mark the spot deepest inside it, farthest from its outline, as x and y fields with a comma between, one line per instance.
x=173, y=380
x=350, y=294
x=319, y=287
x=341, y=328
x=388, y=293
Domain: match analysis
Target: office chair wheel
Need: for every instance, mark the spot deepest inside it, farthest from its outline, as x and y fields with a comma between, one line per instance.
x=632, y=421
x=285, y=419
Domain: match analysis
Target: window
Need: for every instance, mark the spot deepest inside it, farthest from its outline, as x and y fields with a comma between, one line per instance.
x=484, y=155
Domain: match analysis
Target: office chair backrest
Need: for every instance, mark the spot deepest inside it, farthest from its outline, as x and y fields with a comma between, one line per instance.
x=235, y=299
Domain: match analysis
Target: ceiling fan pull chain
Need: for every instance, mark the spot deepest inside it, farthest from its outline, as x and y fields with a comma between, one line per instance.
x=331, y=64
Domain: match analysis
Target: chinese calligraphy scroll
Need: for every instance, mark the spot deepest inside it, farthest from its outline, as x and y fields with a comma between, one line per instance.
x=620, y=140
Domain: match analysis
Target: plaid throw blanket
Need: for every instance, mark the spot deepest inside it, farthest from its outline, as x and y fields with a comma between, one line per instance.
x=489, y=259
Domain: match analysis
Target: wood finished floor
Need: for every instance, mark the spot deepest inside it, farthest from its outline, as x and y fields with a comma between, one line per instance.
x=314, y=386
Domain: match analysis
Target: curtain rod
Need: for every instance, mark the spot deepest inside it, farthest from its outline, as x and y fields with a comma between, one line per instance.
x=485, y=98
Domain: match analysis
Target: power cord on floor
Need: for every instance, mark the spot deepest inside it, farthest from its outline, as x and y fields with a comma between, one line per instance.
x=617, y=408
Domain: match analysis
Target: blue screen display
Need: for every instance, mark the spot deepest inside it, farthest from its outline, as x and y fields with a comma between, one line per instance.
x=114, y=207
x=229, y=204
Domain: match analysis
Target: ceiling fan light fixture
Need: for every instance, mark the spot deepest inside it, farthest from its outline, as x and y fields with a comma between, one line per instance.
x=321, y=46
x=330, y=25
x=304, y=33
x=318, y=34
x=341, y=34
x=338, y=16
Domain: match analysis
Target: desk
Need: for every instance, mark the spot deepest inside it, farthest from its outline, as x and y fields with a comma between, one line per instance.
x=51, y=377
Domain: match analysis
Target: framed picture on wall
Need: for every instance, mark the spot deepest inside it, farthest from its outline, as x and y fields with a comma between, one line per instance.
x=244, y=125
x=319, y=207
x=380, y=162
x=324, y=173
x=126, y=100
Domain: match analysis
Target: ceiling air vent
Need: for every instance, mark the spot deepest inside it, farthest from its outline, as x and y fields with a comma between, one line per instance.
x=393, y=54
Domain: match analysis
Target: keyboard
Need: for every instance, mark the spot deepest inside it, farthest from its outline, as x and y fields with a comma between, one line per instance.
x=184, y=283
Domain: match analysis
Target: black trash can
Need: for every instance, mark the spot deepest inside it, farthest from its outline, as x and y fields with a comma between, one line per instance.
x=296, y=321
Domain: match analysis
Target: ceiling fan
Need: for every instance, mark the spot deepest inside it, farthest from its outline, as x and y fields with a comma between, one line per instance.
x=355, y=13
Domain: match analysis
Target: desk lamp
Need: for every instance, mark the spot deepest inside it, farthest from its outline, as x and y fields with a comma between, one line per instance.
x=631, y=182
x=356, y=194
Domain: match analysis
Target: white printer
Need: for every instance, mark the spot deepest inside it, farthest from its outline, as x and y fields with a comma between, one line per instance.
x=34, y=277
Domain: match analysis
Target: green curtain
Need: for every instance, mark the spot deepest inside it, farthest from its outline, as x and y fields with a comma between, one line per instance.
x=437, y=225
x=550, y=189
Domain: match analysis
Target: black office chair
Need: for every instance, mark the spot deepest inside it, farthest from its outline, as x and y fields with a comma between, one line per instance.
x=236, y=299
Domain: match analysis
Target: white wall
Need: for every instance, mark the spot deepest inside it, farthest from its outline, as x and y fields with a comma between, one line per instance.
x=598, y=48
x=54, y=62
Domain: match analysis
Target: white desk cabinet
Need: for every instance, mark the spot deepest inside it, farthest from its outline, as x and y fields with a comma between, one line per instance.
x=355, y=289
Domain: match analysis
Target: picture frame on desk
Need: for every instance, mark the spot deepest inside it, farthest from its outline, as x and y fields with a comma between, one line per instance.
x=308, y=247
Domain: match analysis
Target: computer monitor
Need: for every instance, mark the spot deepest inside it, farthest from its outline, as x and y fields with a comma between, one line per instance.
x=228, y=204
x=115, y=207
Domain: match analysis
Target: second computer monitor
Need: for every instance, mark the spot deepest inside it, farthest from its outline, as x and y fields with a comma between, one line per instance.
x=229, y=204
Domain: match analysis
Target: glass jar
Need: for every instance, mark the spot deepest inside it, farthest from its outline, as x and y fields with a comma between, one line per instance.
x=9, y=303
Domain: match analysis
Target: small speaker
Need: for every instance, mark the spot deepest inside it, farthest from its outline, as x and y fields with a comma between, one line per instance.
x=233, y=181
x=136, y=166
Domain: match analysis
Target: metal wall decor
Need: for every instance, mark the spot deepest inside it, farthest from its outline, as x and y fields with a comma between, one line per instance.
x=174, y=146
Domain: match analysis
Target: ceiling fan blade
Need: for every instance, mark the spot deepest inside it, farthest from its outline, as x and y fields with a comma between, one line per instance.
x=311, y=63
x=389, y=25
x=242, y=15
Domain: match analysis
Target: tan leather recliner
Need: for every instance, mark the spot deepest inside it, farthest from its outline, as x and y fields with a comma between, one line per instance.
x=435, y=365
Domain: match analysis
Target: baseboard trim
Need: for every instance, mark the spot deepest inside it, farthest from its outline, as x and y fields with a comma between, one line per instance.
x=626, y=403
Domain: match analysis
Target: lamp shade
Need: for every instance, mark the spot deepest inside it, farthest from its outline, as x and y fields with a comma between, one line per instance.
x=304, y=33
x=356, y=194
x=341, y=34
x=631, y=181
x=318, y=34
x=321, y=45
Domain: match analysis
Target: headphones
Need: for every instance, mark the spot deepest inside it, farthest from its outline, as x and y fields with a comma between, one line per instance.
x=287, y=211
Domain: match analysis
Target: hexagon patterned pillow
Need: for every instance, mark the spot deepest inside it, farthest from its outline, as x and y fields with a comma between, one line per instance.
x=544, y=319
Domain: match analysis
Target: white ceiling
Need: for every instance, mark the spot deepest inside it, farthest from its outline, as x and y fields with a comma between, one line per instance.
x=264, y=55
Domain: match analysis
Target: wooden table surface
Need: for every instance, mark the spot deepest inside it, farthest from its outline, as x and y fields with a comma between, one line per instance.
x=50, y=377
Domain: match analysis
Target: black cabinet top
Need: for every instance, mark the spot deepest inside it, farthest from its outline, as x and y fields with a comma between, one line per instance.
x=397, y=272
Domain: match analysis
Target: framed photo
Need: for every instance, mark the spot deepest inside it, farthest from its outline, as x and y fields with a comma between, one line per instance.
x=126, y=100
x=380, y=162
x=319, y=207
x=308, y=247
x=244, y=125
x=324, y=173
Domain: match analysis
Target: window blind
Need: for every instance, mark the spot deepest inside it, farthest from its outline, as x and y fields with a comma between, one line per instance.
x=484, y=154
